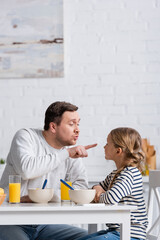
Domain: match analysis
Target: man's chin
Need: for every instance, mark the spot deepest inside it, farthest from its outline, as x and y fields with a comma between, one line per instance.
x=72, y=143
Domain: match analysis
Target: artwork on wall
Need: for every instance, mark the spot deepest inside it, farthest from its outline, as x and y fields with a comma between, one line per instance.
x=31, y=38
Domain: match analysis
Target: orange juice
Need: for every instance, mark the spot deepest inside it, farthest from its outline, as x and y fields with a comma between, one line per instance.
x=65, y=191
x=14, y=192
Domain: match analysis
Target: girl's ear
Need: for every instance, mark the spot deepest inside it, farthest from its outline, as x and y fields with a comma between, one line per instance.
x=119, y=150
x=52, y=127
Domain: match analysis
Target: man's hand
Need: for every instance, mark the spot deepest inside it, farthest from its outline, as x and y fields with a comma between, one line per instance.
x=99, y=191
x=80, y=151
x=26, y=199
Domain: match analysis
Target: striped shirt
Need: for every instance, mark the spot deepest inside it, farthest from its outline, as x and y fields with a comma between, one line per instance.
x=127, y=188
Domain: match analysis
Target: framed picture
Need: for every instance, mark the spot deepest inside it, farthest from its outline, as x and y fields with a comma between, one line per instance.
x=31, y=39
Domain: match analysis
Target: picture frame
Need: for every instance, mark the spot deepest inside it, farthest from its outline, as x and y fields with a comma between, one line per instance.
x=31, y=39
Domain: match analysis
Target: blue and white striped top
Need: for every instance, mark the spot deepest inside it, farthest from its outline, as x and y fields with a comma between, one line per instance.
x=127, y=188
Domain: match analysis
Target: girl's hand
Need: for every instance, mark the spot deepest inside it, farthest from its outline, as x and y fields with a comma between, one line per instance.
x=26, y=199
x=99, y=191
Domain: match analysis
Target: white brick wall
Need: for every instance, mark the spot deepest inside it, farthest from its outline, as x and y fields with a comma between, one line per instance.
x=112, y=72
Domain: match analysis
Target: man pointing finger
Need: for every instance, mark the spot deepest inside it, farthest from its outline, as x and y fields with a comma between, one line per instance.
x=80, y=151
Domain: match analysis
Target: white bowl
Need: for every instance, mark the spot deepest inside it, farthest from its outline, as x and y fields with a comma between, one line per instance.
x=82, y=196
x=39, y=195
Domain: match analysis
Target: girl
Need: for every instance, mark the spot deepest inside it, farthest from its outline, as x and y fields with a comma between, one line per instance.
x=123, y=185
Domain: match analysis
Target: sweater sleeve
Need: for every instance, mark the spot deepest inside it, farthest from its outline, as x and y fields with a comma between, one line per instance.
x=105, y=184
x=78, y=173
x=121, y=188
x=24, y=160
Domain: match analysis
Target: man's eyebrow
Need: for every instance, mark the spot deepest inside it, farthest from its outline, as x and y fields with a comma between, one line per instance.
x=74, y=120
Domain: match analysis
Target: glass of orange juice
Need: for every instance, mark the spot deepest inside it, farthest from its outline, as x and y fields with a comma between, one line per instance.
x=14, y=188
x=64, y=189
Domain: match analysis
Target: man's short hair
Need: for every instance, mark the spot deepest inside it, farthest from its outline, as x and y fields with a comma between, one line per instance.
x=55, y=111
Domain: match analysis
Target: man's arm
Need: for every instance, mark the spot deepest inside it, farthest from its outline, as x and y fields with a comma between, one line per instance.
x=25, y=161
x=77, y=173
x=23, y=157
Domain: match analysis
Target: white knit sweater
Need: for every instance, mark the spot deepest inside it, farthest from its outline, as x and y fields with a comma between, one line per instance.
x=35, y=160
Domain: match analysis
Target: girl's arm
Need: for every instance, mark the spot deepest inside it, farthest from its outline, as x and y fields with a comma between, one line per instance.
x=101, y=188
x=121, y=188
x=99, y=191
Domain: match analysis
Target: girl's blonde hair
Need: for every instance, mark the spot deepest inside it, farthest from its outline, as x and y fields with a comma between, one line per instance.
x=129, y=140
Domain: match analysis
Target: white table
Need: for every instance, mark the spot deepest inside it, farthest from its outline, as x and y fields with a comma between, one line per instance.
x=57, y=213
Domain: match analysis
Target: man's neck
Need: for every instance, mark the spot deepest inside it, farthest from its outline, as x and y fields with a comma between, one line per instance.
x=48, y=136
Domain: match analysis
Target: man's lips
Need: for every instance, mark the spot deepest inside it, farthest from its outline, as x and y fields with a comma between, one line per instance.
x=75, y=137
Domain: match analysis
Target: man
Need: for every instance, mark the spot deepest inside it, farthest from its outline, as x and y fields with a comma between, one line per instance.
x=37, y=155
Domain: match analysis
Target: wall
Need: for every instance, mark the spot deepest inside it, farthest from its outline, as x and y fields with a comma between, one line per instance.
x=112, y=72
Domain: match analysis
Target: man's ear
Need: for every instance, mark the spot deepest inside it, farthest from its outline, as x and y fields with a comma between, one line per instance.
x=52, y=127
x=119, y=150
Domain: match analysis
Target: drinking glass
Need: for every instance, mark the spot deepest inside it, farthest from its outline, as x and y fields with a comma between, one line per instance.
x=64, y=189
x=14, y=188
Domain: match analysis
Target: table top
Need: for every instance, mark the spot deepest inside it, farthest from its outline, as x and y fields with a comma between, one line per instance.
x=66, y=213
x=64, y=206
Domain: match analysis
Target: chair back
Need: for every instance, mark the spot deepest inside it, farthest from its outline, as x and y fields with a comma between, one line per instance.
x=154, y=197
x=154, y=178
